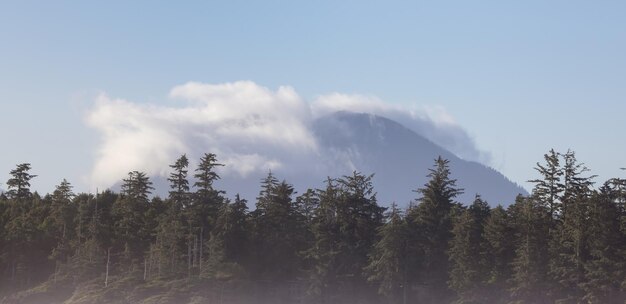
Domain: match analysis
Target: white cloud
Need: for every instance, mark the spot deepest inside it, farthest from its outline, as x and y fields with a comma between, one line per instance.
x=251, y=128
x=247, y=125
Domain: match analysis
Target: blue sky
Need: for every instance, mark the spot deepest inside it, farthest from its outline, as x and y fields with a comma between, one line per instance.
x=520, y=77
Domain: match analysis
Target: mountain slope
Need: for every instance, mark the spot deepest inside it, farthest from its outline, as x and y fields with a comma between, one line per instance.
x=400, y=158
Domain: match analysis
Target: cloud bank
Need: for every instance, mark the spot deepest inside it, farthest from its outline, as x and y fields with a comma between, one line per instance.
x=251, y=128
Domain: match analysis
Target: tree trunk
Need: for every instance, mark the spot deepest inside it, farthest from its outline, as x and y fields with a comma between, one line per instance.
x=106, y=276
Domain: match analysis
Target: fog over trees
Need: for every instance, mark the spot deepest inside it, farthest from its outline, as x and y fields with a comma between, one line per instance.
x=563, y=243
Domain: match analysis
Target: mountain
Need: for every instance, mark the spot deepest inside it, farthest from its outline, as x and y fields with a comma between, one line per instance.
x=399, y=158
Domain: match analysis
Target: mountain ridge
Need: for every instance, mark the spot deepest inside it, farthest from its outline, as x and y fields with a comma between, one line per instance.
x=398, y=157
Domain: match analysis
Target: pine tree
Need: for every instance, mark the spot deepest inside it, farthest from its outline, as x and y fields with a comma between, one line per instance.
x=549, y=188
x=18, y=186
x=130, y=212
x=358, y=217
x=431, y=222
x=178, y=182
x=206, y=175
x=571, y=233
x=60, y=223
x=306, y=205
x=323, y=254
x=278, y=233
x=233, y=227
x=468, y=270
x=529, y=279
x=500, y=249
x=388, y=260
x=605, y=268
x=201, y=215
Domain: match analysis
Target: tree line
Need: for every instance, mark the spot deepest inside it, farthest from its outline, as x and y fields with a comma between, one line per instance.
x=564, y=243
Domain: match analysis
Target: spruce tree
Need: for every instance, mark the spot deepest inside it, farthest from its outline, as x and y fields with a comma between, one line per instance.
x=323, y=255
x=529, y=282
x=179, y=185
x=431, y=223
x=499, y=251
x=468, y=269
x=549, y=187
x=358, y=217
x=18, y=186
x=604, y=269
x=233, y=227
x=130, y=213
x=278, y=233
x=388, y=266
x=570, y=237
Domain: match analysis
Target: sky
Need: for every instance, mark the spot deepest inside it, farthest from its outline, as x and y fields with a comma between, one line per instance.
x=518, y=77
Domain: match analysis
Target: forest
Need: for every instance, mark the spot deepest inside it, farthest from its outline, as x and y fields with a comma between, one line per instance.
x=563, y=243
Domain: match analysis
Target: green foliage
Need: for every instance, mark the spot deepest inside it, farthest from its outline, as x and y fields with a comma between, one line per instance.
x=388, y=264
x=468, y=254
x=563, y=244
x=531, y=222
x=18, y=186
x=431, y=224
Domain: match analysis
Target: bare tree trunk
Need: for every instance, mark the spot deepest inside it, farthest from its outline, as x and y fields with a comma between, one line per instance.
x=201, y=243
x=189, y=258
x=145, y=267
x=106, y=276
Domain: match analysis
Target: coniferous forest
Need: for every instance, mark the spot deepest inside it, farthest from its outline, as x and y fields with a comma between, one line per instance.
x=564, y=243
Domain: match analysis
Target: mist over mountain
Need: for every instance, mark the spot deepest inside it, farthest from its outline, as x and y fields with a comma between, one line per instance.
x=399, y=158
x=253, y=130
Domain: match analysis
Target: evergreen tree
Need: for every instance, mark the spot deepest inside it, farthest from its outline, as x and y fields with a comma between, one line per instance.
x=549, y=188
x=431, y=222
x=605, y=268
x=178, y=182
x=569, y=241
x=359, y=218
x=500, y=249
x=306, y=205
x=279, y=235
x=323, y=255
x=229, y=241
x=233, y=228
x=201, y=215
x=60, y=223
x=388, y=260
x=130, y=212
x=529, y=280
x=206, y=175
x=469, y=269
x=18, y=186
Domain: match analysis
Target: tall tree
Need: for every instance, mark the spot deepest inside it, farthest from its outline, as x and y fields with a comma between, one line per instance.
x=206, y=175
x=529, y=282
x=604, y=269
x=500, y=249
x=279, y=234
x=18, y=186
x=201, y=215
x=359, y=216
x=179, y=185
x=324, y=252
x=388, y=265
x=431, y=222
x=60, y=222
x=469, y=266
x=569, y=239
x=130, y=212
x=549, y=187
